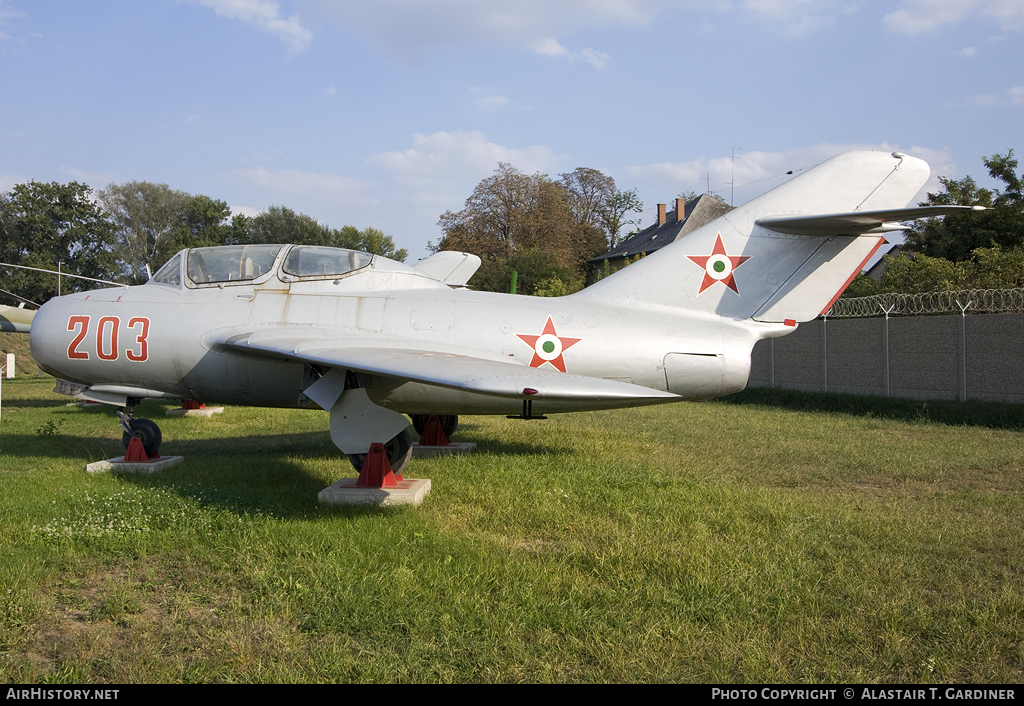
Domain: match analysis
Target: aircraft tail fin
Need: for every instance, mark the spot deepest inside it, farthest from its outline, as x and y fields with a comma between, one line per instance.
x=785, y=256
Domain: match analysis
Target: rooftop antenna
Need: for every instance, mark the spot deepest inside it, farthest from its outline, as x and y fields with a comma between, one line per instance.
x=732, y=177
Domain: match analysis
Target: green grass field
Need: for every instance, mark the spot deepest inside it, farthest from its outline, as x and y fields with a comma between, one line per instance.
x=769, y=537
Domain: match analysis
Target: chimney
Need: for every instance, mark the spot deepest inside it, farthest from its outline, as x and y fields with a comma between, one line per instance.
x=680, y=210
x=661, y=214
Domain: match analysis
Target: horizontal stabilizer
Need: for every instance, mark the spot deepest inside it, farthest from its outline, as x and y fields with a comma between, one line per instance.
x=857, y=222
x=460, y=372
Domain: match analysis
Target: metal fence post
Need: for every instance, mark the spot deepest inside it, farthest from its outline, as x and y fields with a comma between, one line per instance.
x=824, y=348
x=885, y=344
x=963, y=348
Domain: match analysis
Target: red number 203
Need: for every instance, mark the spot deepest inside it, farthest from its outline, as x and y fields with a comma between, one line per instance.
x=107, y=331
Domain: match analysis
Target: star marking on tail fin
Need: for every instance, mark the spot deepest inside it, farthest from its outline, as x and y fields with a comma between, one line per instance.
x=718, y=266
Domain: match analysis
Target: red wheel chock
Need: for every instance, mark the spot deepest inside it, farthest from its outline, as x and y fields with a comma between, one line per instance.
x=376, y=471
x=192, y=404
x=135, y=453
x=433, y=433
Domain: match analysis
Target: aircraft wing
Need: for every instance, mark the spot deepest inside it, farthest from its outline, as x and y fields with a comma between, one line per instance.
x=857, y=222
x=460, y=372
x=15, y=320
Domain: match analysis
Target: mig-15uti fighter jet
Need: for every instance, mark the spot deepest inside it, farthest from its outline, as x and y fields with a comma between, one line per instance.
x=371, y=339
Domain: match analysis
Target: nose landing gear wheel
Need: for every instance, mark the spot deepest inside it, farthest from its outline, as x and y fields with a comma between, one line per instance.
x=399, y=451
x=147, y=432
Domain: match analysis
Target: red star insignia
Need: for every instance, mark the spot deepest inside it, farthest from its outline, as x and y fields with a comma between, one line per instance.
x=718, y=267
x=548, y=346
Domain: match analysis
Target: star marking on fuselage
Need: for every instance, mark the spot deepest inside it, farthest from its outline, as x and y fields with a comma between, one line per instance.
x=718, y=267
x=548, y=346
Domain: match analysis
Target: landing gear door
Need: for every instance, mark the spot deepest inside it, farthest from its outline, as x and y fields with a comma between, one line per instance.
x=694, y=375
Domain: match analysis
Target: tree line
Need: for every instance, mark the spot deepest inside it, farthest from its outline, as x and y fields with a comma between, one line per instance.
x=116, y=232
x=978, y=250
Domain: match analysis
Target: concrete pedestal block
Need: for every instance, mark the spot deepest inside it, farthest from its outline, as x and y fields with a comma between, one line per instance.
x=411, y=491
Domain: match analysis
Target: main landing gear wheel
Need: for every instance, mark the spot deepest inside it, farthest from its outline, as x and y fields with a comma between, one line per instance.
x=147, y=432
x=449, y=423
x=399, y=451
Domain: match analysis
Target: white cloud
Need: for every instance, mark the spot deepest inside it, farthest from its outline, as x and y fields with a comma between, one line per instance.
x=440, y=170
x=410, y=27
x=6, y=13
x=491, y=102
x=94, y=179
x=758, y=172
x=534, y=25
x=459, y=155
x=983, y=100
x=1011, y=96
x=967, y=52
x=8, y=182
x=340, y=190
x=266, y=16
x=801, y=16
x=488, y=100
x=597, y=59
x=247, y=211
x=549, y=46
x=917, y=16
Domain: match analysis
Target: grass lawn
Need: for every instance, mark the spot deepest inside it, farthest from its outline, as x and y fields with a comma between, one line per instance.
x=769, y=537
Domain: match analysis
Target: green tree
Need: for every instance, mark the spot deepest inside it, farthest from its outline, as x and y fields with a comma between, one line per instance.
x=594, y=200
x=369, y=240
x=921, y=273
x=956, y=237
x=613, y=215
x=587, y=193
x=280, y=224
x=528, y=223
x=154, y=221
x=42, y=225
x=206, y=222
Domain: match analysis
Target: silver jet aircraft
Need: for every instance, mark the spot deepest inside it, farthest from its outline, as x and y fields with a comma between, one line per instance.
x=371, y=339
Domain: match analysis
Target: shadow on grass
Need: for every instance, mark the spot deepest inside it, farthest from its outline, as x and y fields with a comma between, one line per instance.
x=280, y=473
x=992, y=415
x=244, y=475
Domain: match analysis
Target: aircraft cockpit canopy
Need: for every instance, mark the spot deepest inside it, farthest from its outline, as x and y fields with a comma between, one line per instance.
x=230, y=263
x=316, y=261
x=242, y=264
x=170, y=273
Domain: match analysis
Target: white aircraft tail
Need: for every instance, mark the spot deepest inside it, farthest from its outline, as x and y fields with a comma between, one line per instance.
x=785, y=256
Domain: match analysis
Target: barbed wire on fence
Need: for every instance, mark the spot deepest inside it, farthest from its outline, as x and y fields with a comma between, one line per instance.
x=970, y=301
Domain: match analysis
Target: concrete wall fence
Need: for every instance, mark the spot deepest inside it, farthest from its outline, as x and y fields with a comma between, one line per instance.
x=952, y=357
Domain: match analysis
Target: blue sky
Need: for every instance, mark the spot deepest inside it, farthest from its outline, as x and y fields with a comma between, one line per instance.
x=388, y=113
